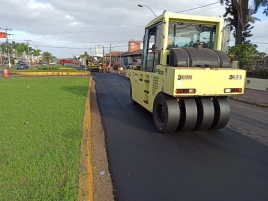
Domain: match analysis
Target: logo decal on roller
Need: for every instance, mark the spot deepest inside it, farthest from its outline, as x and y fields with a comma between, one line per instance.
x=185, y=77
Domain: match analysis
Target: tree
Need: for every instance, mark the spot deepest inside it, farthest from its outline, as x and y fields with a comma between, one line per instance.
x=86, y=56
x=259, y=59
x=21, y=48
x=246, y=33
x=241, y=14
x=47, y=57
x=37, y=52
x=3, y=47
x=244, y=53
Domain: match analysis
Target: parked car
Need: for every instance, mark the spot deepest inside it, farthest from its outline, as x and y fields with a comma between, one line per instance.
x=22, y=65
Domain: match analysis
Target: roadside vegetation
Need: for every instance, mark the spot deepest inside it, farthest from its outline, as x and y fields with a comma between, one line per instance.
x=17, y=51
x=40, y=131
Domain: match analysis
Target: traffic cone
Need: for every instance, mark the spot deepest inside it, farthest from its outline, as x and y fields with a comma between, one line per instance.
x=5, y=72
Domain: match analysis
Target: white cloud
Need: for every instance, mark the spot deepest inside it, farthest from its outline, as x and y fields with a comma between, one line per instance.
x=80, y=25
x=68, y=17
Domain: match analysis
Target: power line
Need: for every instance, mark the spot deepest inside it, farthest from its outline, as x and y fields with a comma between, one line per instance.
x=85, y=31
x=255, y=42
x=75, y=44
x=259, y=36
x=259, y=42
x=77, y=47
x=209, y=9
x=196, y=7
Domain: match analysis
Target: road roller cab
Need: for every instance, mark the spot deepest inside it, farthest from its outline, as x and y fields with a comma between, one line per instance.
x=185, y=78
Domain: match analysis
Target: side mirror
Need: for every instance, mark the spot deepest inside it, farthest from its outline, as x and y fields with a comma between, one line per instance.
x=153, y=47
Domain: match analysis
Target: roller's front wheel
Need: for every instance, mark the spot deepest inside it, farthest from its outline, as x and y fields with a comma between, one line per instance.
x=130, y=94
x=166, y=113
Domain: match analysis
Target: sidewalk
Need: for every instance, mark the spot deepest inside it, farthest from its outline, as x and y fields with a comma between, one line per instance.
x=253, y=96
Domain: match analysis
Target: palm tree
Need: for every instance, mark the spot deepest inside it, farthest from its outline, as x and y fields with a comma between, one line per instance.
x=86, y=56
x=21, y=49
x=47, y=57
x=242, y=14
x=4, y=51
x=36, y=53
x=3, y=47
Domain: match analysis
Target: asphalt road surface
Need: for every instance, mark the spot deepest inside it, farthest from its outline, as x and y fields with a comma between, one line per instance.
x=204, y=165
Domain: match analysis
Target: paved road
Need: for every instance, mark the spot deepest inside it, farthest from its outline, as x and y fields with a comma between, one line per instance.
x=208, y=165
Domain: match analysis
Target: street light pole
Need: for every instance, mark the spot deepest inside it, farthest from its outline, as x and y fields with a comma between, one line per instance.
x=140, y=5
x=110, y=60
x=28, y=57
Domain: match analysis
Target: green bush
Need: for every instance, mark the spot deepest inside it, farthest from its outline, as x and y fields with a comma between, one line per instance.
x=261, y=73
x=115, y=67
x=49, y=67
x=69, y=64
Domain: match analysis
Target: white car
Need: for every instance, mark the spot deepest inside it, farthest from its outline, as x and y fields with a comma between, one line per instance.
x=52, y=63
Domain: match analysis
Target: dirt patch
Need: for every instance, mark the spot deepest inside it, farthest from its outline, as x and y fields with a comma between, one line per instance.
x=102, y=183
x=94, y=180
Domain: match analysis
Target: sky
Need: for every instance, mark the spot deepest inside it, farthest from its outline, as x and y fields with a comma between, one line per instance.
x=67, y=28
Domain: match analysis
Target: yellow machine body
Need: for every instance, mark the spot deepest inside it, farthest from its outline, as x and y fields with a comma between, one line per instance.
x=94, y=65
x=205, y=82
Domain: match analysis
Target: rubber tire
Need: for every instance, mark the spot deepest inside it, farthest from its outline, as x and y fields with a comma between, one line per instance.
x=206, y=113
x=222, y=113
x=188, y=115
x=130, y=94
x=171, y=113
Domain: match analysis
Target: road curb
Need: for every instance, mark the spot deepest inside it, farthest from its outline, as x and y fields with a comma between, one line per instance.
x=85, y=186
x=51, y=73
x=248, y=102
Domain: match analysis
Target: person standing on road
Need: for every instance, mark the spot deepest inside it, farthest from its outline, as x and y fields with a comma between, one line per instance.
x=104, y=68
x=100, y=68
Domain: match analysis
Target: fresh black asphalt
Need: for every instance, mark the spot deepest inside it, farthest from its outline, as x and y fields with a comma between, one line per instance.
x=200, y=166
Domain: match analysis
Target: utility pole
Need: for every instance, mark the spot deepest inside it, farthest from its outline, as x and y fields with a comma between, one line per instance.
x=120, y=59
x=28, y=56
x=110, y=55
x=7, y=29
x=103, y=60
x=9, y=60
x=36, y=57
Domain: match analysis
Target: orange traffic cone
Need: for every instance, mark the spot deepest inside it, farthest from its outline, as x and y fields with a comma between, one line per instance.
x=5, y=72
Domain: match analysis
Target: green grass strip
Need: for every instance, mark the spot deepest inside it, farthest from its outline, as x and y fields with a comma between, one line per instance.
x=39, y=160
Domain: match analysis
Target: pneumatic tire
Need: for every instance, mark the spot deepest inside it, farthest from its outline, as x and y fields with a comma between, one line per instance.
x=222, y=113
x=166, y=113
x=130, y=94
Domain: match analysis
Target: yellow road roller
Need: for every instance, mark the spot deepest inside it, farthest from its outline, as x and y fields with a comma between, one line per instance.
x=185, y=78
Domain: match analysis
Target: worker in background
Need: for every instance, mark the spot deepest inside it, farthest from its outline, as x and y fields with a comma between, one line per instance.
x=120, y=69
x=100, y=68
x=104, y=67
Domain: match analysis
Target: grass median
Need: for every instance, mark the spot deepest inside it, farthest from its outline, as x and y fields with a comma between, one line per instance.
x=41, y=122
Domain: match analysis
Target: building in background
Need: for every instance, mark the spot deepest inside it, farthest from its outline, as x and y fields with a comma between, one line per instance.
x=116, y=58
x=132, y=57
x=134, y=54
